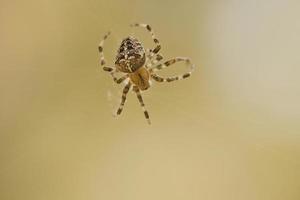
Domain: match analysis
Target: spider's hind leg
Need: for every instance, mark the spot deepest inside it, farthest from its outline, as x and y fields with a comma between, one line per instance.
x=168, y=63
x=140, y=98
x=125, y=91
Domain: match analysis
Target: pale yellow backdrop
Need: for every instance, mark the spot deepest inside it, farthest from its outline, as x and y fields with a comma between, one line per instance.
x=230, y=132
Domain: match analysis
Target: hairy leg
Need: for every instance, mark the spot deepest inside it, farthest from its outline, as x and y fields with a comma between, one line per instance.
x=123, y=100
x=140, y=98
x=168, y=63
x=155, y=40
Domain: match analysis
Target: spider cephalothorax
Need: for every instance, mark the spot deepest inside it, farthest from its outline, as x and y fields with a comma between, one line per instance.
x=139, y=65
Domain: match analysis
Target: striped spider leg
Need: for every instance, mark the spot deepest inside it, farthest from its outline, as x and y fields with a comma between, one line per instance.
x=152, y=59
x=168, y=63
x=156, y=41
x=140, y=98
x=111, y=70
x=124, y=94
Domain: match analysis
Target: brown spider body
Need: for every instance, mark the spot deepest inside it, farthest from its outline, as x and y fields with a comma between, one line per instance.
x=141, y=78
x=131, y=60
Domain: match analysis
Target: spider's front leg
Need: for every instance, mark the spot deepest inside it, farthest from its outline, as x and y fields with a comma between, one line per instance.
x=100, y=49
x=168, y=63
x=111, y=70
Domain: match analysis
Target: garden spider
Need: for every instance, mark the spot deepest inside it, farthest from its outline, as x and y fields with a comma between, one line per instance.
x=139, y=66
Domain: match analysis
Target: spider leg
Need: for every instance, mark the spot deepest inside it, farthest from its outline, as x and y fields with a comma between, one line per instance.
x=111, y=70
x=151, y=59
x=158, y=57
x=125, y=91
x=149, y=29
x=168, y=63
x=140, y=98
x=100, y=48
x=150, y=55
x=119, y=80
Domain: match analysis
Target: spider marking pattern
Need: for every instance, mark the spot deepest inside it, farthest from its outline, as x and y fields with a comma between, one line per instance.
x=139, y=66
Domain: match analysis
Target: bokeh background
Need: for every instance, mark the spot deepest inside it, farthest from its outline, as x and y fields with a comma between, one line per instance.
x=229, y=132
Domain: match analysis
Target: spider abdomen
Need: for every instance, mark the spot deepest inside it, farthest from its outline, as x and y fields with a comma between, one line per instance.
x=131, y=55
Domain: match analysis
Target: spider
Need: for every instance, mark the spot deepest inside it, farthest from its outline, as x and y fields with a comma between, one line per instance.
x=139, y=66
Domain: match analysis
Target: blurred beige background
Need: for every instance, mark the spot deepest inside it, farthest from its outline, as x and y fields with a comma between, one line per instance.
x=229, y=132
